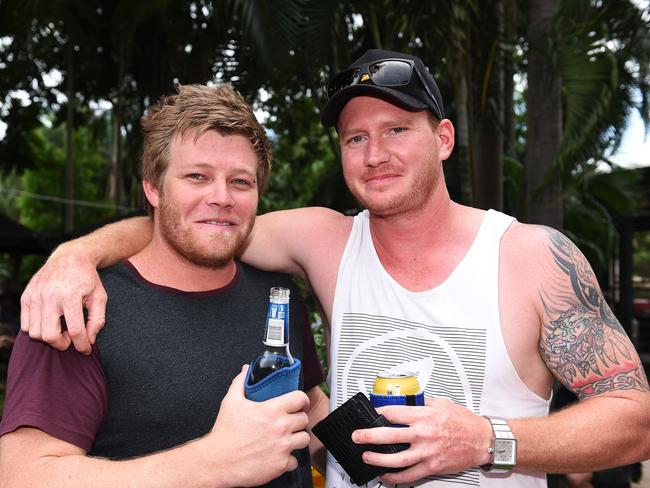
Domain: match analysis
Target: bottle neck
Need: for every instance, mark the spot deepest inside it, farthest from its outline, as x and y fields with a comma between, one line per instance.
x=276, y=333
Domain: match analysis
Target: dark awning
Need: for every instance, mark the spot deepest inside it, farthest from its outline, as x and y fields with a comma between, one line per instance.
x=15, y=238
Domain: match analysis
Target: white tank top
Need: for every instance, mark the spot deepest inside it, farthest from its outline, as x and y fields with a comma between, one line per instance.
x=450, y=336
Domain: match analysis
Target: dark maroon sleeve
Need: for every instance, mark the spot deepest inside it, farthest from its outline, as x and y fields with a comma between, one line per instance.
x=61, y=393
x=311, y=367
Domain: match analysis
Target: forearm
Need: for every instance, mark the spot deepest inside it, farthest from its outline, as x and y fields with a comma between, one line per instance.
x=319, y=408
x=594, y=434
x=109, y=244
x=181, y=466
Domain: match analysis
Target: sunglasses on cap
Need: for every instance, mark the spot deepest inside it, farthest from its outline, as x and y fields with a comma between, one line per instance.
x=387, y=73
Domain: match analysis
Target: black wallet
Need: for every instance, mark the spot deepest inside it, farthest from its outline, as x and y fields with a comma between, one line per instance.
x=335, y=432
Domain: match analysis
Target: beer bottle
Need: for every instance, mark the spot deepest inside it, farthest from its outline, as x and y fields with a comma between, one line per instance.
x=276, y=353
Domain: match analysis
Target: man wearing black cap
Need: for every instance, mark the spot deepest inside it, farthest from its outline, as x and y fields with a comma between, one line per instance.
x=486, y=311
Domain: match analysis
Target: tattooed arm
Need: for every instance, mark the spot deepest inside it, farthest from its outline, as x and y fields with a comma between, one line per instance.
x=582, y=342
x=584, y=347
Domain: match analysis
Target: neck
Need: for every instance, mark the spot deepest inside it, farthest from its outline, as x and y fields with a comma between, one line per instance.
x=424, y=227
x=160, y=264
x=420, y=250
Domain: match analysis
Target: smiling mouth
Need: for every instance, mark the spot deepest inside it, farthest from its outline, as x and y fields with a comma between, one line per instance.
x=380, y=178
x=218, y=223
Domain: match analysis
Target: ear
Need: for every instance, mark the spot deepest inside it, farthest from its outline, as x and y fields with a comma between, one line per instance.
x=445, y=132
x=151, y=192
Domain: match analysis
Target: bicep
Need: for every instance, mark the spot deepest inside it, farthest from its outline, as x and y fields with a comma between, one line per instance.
x=290, y=241
x=268, y=247
x=581, y=341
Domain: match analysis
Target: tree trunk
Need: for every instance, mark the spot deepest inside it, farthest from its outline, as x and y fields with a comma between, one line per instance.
x=374, y=27
x=458, y=48
x=115, y=188
x=544, y=119
x=68, y=182
x=462, y=140
x=509, y=31
x=489, y=154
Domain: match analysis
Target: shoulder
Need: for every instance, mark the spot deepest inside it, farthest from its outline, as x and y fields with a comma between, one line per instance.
x=536, y=246
x=526, y=236
x=119, y=272
x=541, y=247
x=544, y=266
x=257, y=282
x=258, y=278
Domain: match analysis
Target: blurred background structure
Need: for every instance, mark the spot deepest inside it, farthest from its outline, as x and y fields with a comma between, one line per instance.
x=541, y=93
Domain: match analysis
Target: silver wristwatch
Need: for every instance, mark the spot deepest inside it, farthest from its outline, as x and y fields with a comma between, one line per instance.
x=503, y=451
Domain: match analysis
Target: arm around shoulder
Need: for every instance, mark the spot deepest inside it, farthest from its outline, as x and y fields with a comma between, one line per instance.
x=68, y=282
x=291, y=240
x=113, y=242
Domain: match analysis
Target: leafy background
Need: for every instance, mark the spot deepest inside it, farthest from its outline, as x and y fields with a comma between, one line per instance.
x=540, y=92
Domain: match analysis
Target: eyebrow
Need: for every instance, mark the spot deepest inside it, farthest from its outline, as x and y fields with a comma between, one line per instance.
x=241, y=169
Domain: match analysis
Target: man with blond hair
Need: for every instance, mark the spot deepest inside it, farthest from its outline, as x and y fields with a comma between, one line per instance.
x=153, y=403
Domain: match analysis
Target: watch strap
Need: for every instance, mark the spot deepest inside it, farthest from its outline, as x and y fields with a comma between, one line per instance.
x=500, y=430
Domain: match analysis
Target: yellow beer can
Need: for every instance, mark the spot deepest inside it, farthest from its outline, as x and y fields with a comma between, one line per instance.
x=396, y=383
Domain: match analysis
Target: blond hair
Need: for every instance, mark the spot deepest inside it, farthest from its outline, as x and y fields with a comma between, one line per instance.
x=200, y=108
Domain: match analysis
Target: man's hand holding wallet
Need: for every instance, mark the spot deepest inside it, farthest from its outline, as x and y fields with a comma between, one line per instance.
x=441, y=437
x=335, y=432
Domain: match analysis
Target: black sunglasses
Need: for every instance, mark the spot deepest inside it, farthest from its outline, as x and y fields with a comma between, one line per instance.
x=385, y=72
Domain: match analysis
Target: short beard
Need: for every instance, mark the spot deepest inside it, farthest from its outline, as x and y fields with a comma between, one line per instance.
x=181, y=241
x=407, y=204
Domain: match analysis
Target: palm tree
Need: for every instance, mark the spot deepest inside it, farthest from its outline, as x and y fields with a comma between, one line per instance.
x=601, y=54
x=544, y=120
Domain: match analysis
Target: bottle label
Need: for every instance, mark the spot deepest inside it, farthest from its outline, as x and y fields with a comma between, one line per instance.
x=277, y=324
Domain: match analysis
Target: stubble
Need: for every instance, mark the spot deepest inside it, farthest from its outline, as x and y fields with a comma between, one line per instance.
x=217, y=252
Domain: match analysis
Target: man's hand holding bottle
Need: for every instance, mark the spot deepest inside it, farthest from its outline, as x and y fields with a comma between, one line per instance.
x=253, y=441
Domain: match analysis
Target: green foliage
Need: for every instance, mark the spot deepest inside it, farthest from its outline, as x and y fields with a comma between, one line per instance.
x=42, y=186
x=513, y=186
x=306, y=166
x=9, y=188
x=130, y=53
x=601, y=52
x=318, y=331
x=590, y=207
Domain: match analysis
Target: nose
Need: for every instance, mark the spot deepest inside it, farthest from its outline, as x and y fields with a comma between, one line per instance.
x=220, y=195
x=377, y=153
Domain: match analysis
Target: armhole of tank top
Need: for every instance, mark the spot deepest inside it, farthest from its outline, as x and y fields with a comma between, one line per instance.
x=355, y=233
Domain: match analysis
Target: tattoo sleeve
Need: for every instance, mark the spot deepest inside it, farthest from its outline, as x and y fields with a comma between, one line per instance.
x=582, y=342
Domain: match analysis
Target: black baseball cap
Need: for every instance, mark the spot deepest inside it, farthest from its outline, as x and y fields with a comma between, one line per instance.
x=419, y=92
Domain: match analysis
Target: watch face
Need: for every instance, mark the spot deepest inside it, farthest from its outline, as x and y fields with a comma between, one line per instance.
x=504, y=451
